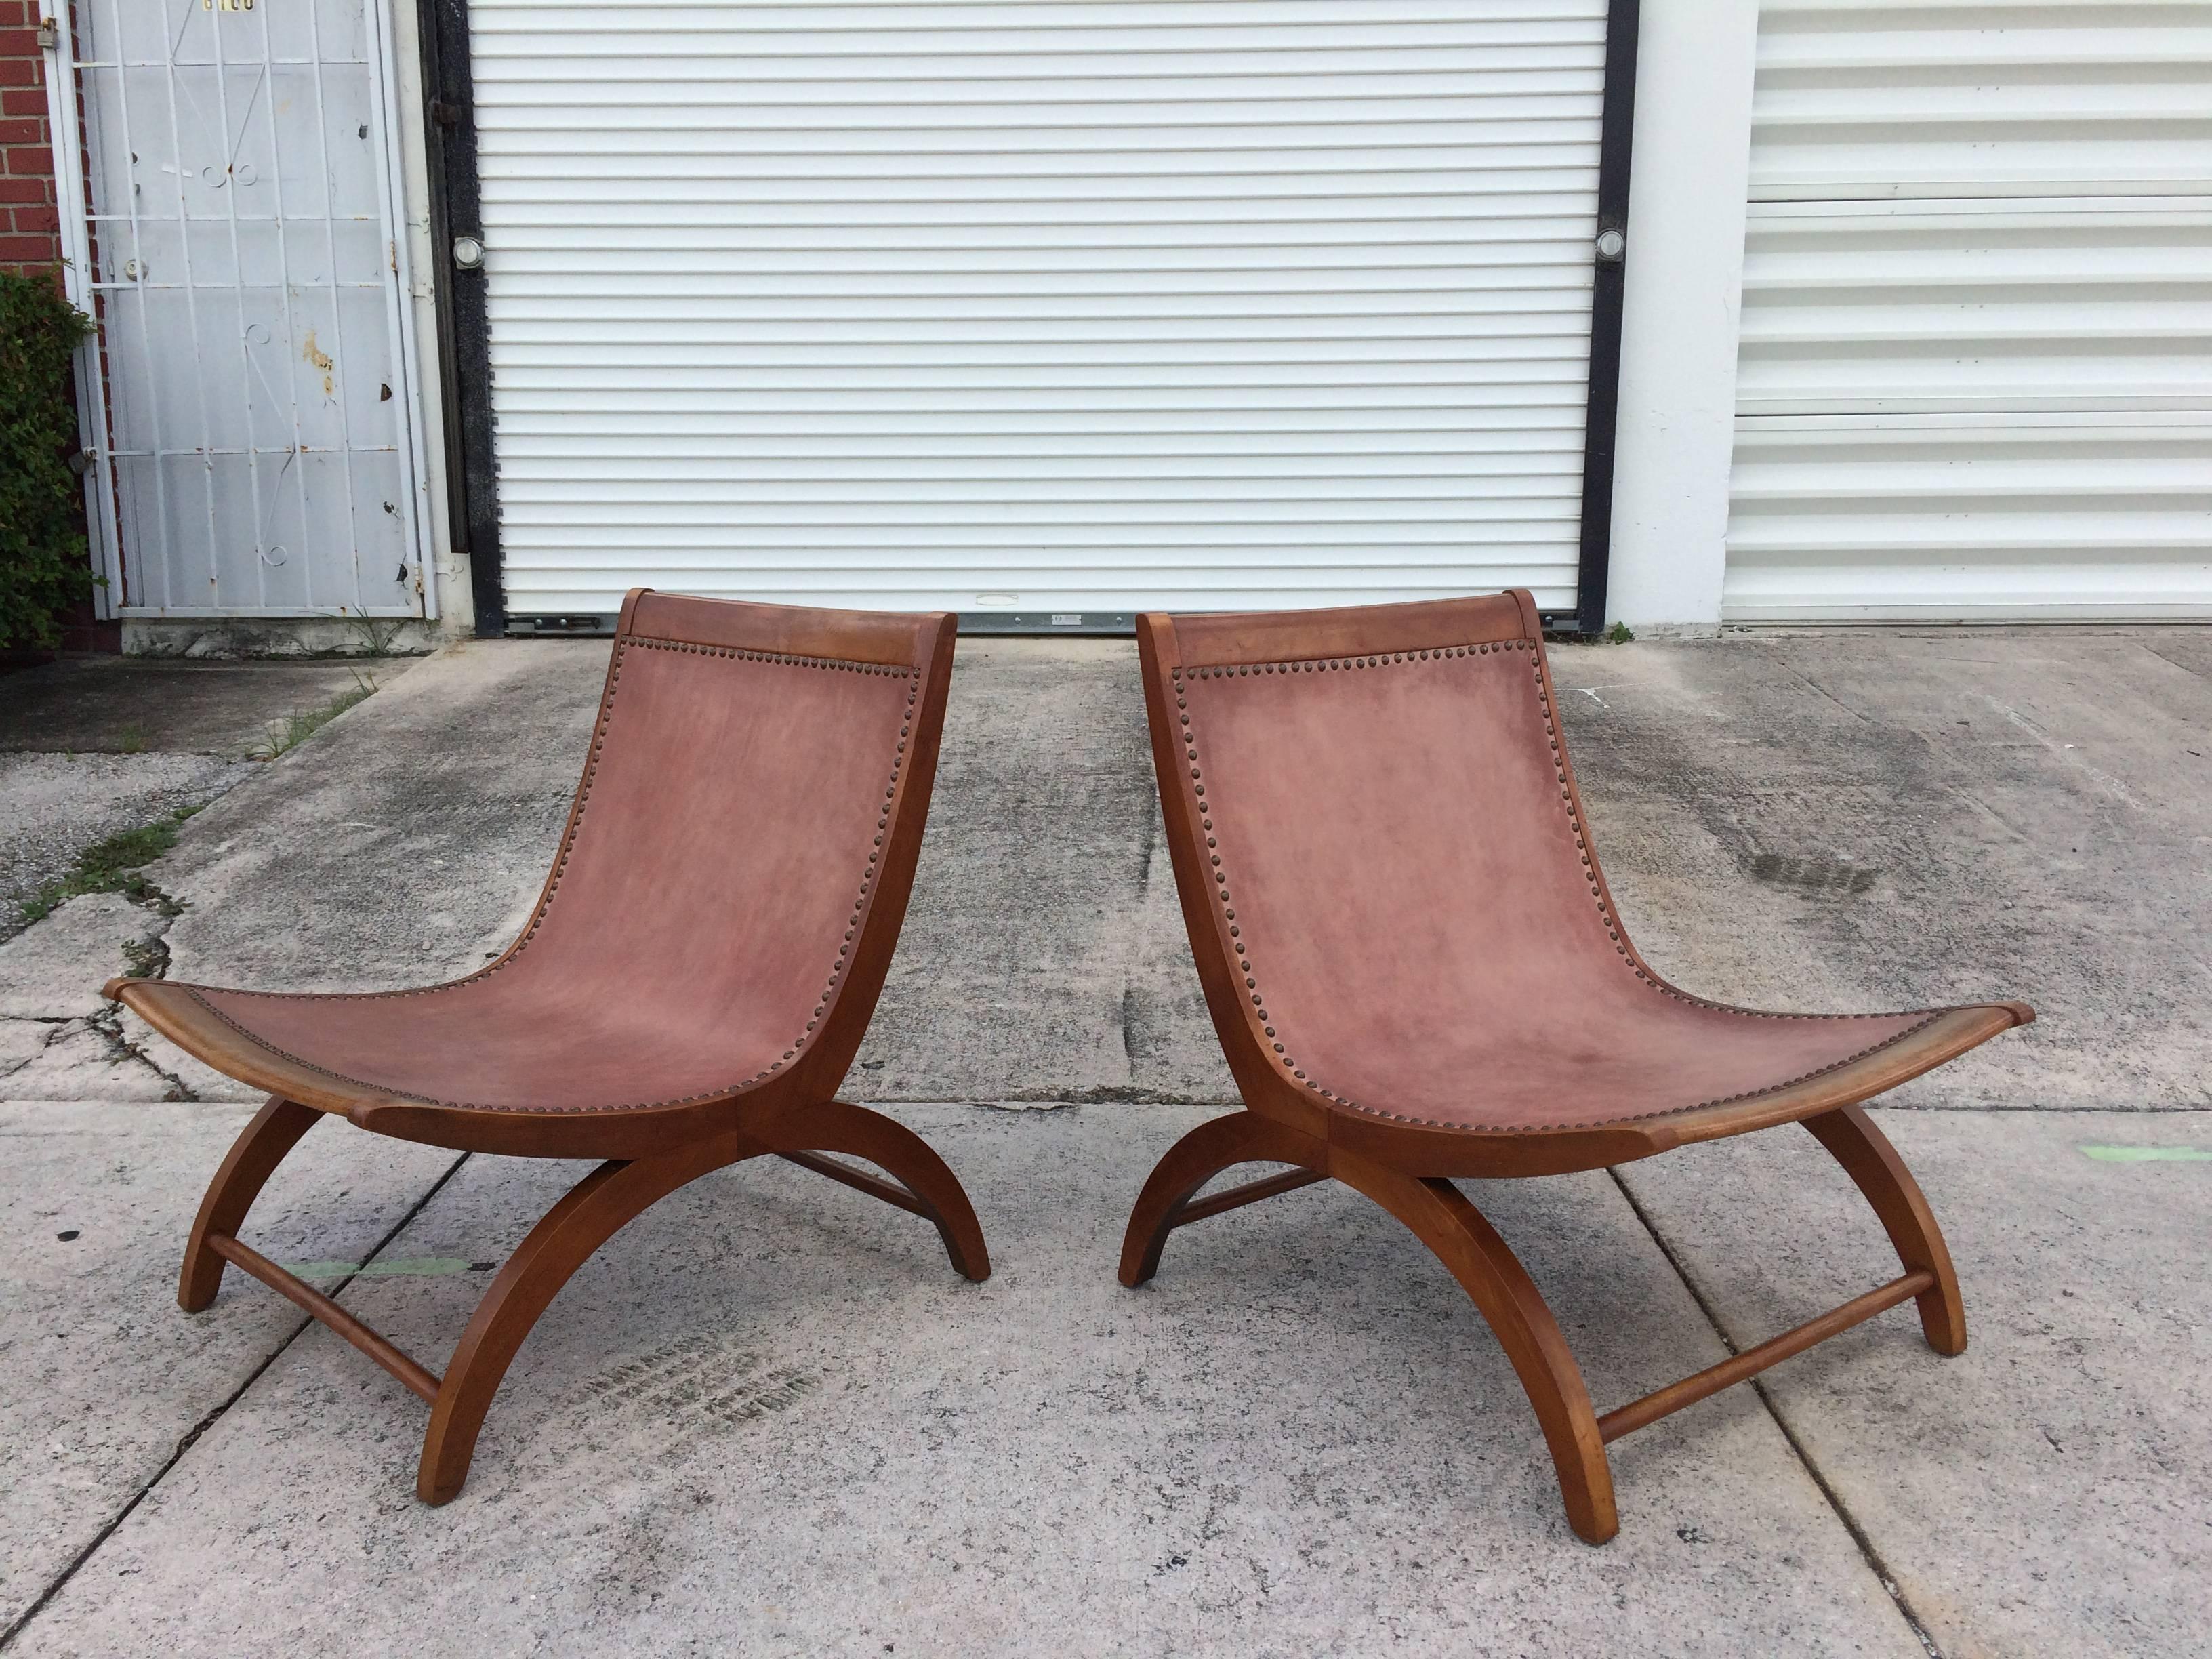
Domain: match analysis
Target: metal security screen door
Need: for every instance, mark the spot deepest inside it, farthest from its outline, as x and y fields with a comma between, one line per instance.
x=247, y=407
x=1046, y=312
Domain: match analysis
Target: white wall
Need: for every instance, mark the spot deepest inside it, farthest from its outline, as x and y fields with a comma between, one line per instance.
x=1689, y=182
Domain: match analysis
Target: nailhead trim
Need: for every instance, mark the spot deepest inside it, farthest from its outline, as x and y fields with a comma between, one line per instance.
x=1241, y=947
x=839, y=665
x=561, y=864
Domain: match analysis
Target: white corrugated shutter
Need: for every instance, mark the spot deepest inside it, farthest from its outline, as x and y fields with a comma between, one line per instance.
x=1039, y=307
x=1975, y=378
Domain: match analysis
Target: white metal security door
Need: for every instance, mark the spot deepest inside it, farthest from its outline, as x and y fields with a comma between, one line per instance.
x=1975, y=379
x=1049, y=309
x=254, y=451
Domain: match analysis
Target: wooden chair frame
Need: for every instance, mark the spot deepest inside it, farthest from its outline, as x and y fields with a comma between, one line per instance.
x=1408, y=1169
x=791, y=1113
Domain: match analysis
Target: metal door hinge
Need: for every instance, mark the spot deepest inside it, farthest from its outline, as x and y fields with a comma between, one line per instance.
x=1612, y=246
x=49, y=34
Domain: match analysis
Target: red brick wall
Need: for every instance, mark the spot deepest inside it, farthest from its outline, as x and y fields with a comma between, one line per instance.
x=30, y=228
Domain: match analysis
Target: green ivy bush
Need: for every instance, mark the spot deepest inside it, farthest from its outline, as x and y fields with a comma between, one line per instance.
x=44, y=564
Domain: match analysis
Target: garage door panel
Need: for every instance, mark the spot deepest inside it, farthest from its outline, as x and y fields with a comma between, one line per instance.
x=1036, y=306
x=1949, y=99
x=1919, y=306
x=1104, y=23
x=1974, y=517
x=1267, y=583
x=1048, y=466
x=1975, y=368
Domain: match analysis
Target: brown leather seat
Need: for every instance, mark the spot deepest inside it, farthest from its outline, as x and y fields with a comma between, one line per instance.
x=698, y=930
x=1416, y=972
x=695, y=982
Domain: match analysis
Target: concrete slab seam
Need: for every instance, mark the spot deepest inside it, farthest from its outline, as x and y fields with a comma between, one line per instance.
x=1866, y=1549
x=191, y=1437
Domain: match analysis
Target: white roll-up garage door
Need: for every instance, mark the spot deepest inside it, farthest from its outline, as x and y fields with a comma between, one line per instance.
x=1975, y=378
x=1039, y=308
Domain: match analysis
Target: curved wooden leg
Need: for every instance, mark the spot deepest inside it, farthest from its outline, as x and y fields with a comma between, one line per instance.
x=838, y=1126
x=254, y=1157
x=1438, y=1214
x=1870, y=1161
x=589, y=1214
x=1204, y=1153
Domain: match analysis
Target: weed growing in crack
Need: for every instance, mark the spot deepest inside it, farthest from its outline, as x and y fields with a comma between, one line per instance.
x=113, y=866
x=377, y=635
x=145, y=958
x=289, y=733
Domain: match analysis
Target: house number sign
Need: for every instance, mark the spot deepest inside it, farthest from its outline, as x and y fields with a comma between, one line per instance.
x=226, y=5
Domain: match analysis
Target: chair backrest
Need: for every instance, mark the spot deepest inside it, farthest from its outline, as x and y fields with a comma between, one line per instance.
x=739, y=859
x=1375, y=832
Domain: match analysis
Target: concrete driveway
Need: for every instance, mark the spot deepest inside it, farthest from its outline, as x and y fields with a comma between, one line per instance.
x=767, y=1418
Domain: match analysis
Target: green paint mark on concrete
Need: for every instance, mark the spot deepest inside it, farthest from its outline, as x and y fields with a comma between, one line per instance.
x=2149, y=1154
x=418, y=1267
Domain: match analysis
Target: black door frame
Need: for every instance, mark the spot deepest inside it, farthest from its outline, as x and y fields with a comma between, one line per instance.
x=464, y=319
x=465, y=329
x=1616, y=130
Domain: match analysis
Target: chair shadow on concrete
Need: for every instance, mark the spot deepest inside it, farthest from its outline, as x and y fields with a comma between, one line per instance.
x=689, y=992
x=1416, y=973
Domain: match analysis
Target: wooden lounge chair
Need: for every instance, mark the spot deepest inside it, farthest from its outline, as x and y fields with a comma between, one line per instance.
x=1417, y=973
x=688, y=992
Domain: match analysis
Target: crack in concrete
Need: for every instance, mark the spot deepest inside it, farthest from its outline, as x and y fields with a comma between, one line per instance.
x=1115, y=1095
x=1815, y=687
x=1866, y=1549
x=147, y=958
x=2067, y=754
x=2173, y=662
x=1152, y=828
x=191, y=1437
x=142, y=958
x=107, y=1024
x=1589, y=691
x=1104, y=1094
